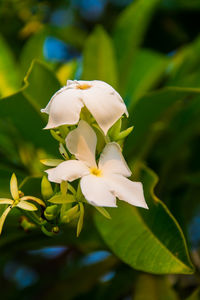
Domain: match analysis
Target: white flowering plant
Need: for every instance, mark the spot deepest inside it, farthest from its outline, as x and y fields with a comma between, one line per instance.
x=88, y=147
x=75, y=111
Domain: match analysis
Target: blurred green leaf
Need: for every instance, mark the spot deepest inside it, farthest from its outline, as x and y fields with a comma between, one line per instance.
x=41, y=84
x=22, y=109
x=156, y=288
x=185, y=63
x=129, y=33
x=99, y=58
x=34, y=47
x=181, y=4
x=9, y=71
x=195, y=295
x=148, y=116
x=146, y=71
x=148, y=240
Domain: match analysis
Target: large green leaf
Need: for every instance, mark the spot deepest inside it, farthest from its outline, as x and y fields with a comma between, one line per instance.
x=22, y=109
x=9, y=73
x=129, y=32
x=99, y=58
x=146, y=71
x=148, y=116
x=185, y=64
x=148, y=240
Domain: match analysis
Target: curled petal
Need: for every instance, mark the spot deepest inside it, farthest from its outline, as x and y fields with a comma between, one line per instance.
x=67, y=171
x=112, y=160
x=26, y=205
x=127, y=190
x=97, y=192
x=105, y=104
x=32, y=198
x=64, y=108
x=82, y=143
x=3, y=217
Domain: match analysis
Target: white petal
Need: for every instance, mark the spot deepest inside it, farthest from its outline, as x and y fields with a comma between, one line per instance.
x=127, y=190
x=112, y=160
x=64, y=108
x=96, y=191
x=26, y=205
x=67, y=171
x=104, y=103
x=82, y=143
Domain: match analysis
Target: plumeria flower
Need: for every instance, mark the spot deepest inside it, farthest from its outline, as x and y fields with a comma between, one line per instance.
x=102, y=101
x=19, y=200
x=100, y=183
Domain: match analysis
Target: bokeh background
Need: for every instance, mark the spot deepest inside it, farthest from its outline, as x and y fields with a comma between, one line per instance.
x=72, y=39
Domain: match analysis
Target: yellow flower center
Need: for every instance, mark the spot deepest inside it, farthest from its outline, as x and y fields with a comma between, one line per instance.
x=96, y=172
x=83, y=86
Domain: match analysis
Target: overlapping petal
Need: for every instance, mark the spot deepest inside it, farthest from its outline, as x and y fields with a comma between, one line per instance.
x=82, y=143
x=67, y=171
x=64, y=108
x=127, y=190
x=103, y=102
x=97, y=192
x=112, y=160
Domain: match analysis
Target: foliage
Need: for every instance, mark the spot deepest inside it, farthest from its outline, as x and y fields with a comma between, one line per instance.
x=162, y=93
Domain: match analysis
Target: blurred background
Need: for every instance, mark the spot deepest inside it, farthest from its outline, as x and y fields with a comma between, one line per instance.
x=73, y=39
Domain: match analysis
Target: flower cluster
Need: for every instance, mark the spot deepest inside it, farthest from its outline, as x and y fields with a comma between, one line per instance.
x=85, y=117
x=101, y=182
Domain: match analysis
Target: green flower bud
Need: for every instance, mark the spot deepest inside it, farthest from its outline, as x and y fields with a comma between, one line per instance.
x=51, y=212
x=69, y=214
x=46, y=188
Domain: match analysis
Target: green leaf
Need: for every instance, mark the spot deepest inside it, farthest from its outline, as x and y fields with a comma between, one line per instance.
x=80, y=220
x=103, y=211
x=148, y=117
x=43, y=84
x=148, y=240
x=147, y=70
x=63, y=188
x=129, y=32
x=22, y=109
x=99, y=58
x=14, y=187
x=60, y=199
x=156, y=288
x=9, y=75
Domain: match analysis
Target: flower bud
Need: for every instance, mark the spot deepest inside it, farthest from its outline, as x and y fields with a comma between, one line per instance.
x=46, y=188
x=51, y=212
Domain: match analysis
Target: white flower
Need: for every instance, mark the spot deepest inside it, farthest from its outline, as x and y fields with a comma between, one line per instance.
x=103, y=102
x=102, y=183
